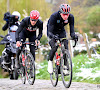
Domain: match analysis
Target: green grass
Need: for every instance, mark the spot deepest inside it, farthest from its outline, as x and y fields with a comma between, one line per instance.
x=43, y=73
x=80, y=61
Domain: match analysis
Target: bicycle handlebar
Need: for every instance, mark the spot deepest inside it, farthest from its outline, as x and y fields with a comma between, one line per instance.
x=30, y=43
x=61, y=40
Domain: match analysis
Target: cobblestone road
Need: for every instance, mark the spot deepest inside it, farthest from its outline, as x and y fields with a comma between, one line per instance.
x=7, y=84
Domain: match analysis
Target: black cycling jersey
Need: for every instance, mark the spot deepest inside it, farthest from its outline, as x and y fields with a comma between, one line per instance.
x=56, y=24
x=29, y=29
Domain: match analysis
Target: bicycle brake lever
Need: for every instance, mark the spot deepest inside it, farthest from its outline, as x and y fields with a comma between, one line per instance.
x=75, y=43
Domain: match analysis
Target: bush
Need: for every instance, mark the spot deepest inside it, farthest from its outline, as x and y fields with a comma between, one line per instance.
x=44, y=40
x=98, y=49
x=93, y=18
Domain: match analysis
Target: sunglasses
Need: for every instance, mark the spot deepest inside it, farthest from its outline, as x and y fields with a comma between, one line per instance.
x=33, y=19
x=65, y=14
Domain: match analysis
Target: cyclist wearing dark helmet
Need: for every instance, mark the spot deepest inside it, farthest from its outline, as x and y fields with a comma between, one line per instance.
x=27, y=29
x=55, y=30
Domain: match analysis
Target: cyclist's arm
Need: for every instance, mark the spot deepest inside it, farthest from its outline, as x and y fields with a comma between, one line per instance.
x=5, y=27
x=40, y=30
x=51, y=25
x=50, y=34
x=71, y=24
x=20, y=28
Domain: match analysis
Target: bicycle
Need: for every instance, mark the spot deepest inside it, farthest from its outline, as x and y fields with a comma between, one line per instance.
x=27, y=64
x=62, y=62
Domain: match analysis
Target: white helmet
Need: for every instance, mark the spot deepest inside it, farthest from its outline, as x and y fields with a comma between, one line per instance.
x=16, y=13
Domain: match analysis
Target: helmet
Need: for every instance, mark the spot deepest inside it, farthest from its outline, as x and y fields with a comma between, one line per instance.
x=34, y=14
x=16, y=13
x=64, y=8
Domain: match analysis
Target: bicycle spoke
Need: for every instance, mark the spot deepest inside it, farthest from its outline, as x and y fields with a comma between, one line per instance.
x=22, y=69
x=30, y=69
x=22, y=74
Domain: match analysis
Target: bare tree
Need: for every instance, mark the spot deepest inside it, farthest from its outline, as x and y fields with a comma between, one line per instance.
x=7, y=5
x=56, y=4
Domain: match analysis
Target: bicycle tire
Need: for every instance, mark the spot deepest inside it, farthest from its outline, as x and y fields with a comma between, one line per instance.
x=66, y=78
x=22, y=68
x=15, y=74
x=54, y=75
x=30, y=67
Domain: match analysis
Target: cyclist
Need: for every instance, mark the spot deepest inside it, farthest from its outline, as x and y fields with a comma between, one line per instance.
x=56, y=30
x=27, y=29
x=10, y=21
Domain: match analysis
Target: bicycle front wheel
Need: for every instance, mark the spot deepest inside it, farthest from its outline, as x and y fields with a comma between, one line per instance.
x=66, y=69
x=54, y=75
x=30, y=68
x=22, y=68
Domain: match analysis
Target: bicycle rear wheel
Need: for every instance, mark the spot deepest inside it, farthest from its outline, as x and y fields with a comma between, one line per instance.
x=22, y=69
x=30, y=68
x=66, y=69
x=54, y=75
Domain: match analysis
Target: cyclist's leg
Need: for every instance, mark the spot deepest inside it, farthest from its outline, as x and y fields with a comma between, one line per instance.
x=66, y=47
x=32, y=50
x=53, y=49
x=32, y=47
x=51, y=55
x=63, y=35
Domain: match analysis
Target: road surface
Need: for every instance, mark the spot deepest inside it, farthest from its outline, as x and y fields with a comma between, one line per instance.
x=7, y=84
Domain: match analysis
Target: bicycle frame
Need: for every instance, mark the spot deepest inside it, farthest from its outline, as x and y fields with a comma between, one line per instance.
x=60, y=45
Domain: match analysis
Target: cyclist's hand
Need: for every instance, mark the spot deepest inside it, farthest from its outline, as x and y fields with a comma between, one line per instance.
x=75, y=37
x=37, y=42
x=18, y=44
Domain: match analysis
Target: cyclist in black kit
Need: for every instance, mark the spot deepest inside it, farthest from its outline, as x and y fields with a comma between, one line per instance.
x=56, y=30
x=27, y=29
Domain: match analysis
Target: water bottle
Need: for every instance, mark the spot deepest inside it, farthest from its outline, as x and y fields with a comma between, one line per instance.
x=23, y=60
x=57, y=59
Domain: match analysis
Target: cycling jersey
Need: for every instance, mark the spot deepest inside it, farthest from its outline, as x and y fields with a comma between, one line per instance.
x=56, y=24
x=29, y=29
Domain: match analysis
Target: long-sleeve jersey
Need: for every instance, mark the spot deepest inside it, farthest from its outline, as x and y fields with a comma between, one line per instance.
x=29, y=29
x=56, y=24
